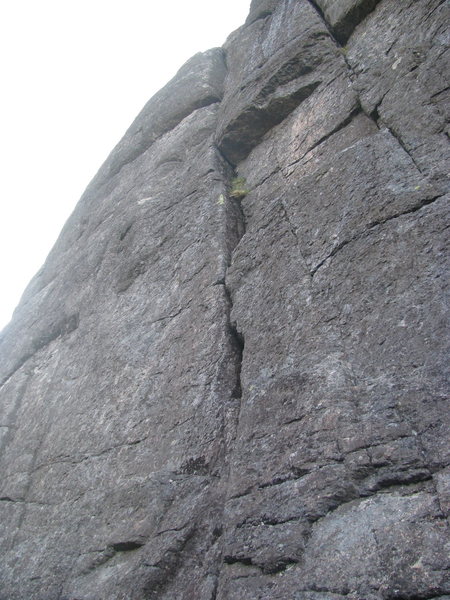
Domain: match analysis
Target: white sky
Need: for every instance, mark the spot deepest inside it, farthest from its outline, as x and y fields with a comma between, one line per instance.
x=74, y=75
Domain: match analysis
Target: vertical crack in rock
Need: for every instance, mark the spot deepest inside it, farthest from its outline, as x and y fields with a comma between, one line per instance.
x=236, y=336
x=359, y=11
x=235, y=227
x=405, y=149
x=342, y=16
x=319, y=11
x=239, y=345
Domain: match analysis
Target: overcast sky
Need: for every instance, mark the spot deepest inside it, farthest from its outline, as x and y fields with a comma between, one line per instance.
x=74, y=76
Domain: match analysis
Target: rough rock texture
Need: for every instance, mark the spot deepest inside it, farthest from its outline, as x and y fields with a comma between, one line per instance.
x=342, y=16
x=216, y=395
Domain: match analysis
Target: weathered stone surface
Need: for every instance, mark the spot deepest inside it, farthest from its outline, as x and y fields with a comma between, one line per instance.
x=400, y=59
x=313, y=428
x=337, y=562
x=344, y=15
x=213, y=398
x=117, y=464
x=273, y=67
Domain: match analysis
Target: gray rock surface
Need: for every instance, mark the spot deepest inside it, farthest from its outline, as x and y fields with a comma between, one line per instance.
x=343, y=16
x=216, y=394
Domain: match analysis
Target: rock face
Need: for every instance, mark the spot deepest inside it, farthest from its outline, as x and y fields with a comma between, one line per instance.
x=216, y=394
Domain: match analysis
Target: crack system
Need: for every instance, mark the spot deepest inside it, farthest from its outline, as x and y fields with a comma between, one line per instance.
x=422, y=477
x=237, y=225
x=238, y=344
x=344, y=27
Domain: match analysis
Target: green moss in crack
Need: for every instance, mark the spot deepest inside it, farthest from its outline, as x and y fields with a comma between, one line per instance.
x=239, y=188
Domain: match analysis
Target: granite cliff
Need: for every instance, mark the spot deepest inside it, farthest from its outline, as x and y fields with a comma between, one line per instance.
x=223, y=390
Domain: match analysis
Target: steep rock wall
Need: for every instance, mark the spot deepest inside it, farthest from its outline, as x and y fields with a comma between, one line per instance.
x=212, y=395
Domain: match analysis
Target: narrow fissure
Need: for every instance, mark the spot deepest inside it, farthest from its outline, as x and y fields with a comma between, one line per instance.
x=270, y=568
x=127, y=546
x=236, y=336
x=340, y=42
x=238, y=228
x=238, y=344
x=232, y=560
x=344, y=28
x=375, y=115
x=319, y=11
x=235, y=227
x=408, y=152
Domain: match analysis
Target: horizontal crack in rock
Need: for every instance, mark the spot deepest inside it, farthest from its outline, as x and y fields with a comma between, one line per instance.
x=373, y=225
x=126, y=546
